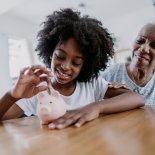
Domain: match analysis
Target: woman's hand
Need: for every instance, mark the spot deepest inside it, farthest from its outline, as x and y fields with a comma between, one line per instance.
x=115, y=89
x=77, y=117
x=28, y=81
x=118, y=85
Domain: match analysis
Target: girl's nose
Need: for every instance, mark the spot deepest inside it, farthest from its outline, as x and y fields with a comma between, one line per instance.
x=66, y=65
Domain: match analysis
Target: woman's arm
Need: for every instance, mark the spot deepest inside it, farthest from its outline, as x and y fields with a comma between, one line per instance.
x=115, y=89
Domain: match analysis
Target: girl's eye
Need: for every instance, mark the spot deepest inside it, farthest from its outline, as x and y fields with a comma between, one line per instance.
x=76, y=64
x=59, y=57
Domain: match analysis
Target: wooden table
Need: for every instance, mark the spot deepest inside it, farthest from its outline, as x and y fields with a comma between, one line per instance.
x=127, y=133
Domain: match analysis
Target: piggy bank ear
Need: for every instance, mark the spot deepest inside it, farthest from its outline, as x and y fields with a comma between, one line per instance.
x=40, y=96
x=56, y=94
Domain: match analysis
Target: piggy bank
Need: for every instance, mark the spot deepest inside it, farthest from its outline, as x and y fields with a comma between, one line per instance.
x=50, y=107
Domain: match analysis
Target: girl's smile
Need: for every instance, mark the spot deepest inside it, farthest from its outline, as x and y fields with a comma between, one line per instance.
x=61, y=75
x=67, y=62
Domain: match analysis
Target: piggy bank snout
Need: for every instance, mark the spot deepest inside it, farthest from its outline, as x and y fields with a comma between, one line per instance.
x=44, y=109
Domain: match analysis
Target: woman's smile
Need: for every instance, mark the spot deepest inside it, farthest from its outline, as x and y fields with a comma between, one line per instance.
x=142, y=58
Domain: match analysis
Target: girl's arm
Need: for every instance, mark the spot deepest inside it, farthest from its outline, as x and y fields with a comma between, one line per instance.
x=122, y=100
x=26, y=87
x=7, y=102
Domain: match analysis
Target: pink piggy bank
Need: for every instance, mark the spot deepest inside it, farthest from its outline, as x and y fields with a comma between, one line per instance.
x=50, y=107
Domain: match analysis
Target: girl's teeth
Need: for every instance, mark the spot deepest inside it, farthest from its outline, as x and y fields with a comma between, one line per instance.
x=64, y=75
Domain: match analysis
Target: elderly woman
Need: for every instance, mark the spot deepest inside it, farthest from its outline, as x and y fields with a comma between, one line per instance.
x=139, y=73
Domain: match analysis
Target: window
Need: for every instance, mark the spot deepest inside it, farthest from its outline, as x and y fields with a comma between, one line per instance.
x=19, y=56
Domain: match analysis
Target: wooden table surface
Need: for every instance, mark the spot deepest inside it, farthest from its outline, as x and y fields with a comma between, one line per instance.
x=127, y=133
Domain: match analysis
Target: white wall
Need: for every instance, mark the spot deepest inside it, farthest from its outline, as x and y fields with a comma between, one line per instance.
x=14, y=27
x=17, y=27
x=126, y=27
x=5, y=80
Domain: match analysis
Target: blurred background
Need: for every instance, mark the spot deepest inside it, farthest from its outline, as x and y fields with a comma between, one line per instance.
x=20, y=21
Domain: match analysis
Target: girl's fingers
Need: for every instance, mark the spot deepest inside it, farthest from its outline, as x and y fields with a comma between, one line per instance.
x=42, y=72
x=36, y=68
x=86, y=118
x=65, y=124
x=29, y=79
x=64, y=121
x=39, y=89
x=42, y=69
x=22, y=72
x=45, y=79
x=39, y=72
x=30, y=71
x=81, y=121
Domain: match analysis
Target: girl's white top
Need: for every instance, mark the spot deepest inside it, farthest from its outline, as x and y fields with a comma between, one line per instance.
x=84, y=94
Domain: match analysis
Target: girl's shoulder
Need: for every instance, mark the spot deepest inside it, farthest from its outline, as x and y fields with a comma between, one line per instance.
x=94, y=83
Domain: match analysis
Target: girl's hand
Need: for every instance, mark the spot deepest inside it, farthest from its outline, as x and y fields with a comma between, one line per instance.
x=118, y=85
x=77, y=117
x=28, y=81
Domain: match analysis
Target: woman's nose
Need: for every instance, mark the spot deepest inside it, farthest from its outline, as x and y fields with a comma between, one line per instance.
x=145, y=48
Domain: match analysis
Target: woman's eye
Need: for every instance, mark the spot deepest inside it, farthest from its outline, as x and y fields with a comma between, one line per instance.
x=140, y=41
x=152, y=45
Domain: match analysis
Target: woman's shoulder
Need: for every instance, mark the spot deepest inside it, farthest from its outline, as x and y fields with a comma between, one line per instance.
x=117, y=66
x=96, y=87
x=113, y=69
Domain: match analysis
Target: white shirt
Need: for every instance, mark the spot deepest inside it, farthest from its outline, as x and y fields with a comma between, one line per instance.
x=84, y=94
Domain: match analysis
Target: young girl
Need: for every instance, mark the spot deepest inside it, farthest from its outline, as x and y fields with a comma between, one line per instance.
x=76, y=48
